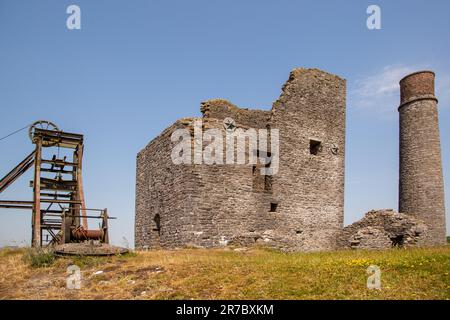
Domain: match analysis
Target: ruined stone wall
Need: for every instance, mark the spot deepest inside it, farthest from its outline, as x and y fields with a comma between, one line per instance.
x=299, y=208
x=198, y=204
x=421, y=187
x=164, y=190
x=225, y=202
x=247, y=118
x=310, y=187
x=383, y=229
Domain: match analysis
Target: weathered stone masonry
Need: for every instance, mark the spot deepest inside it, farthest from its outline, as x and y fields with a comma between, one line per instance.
x=213, y=205
x=421, y=188
x=383, y=229
x=301, y=207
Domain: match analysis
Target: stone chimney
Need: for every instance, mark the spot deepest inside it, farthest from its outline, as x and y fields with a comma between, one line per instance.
x=421, y=185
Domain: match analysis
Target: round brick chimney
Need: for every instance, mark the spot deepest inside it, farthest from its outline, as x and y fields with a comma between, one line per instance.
x=421, y=186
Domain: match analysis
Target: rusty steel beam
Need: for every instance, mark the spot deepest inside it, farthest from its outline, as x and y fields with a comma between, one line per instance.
x=59, y=162
x=36, y=223
x=60, y=201
x=55, y=195
x=62, y=139
x=93, y=217
x=12, y=204
x=73, y=227
x=105, y=226
x=79, y=179
x=16, y=202
x=16, y=207
x=56, y=171
x=58, y=185
x=15, y=173
x=47, y=227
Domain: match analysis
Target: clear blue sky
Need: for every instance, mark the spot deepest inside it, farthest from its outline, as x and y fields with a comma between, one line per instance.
x=137, y=66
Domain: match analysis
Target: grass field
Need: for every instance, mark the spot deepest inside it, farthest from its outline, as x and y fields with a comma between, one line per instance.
x=232, y=274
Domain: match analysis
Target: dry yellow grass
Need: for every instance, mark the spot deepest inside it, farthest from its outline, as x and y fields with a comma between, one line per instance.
x=229, y=274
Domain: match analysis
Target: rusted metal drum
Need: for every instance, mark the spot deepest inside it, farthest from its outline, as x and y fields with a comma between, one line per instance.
x=81, y=234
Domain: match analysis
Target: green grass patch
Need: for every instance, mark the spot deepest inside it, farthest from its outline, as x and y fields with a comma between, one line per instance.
x=39, y=257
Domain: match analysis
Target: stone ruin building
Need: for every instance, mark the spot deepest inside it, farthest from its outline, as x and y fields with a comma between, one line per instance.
x=301, y=207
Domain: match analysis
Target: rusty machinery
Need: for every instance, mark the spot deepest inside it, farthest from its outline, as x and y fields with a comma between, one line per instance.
x=59, y=213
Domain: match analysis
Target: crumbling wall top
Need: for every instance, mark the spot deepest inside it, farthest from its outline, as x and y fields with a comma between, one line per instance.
x=303, y=81
x=221, y=109
x=314, y=72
